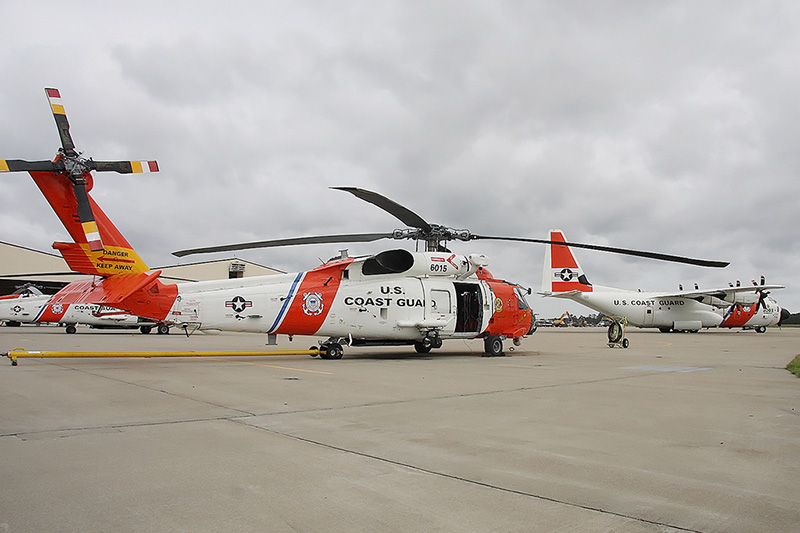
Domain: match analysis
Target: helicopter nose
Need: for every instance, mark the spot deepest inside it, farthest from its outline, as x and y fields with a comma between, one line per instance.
x=784, y=315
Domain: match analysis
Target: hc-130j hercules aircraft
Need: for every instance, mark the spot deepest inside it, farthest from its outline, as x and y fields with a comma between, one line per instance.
x=727, y=307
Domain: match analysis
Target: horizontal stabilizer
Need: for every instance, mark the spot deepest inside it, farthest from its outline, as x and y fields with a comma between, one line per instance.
x=110, y=261
x=77, y=258
x=567, y=294
x=118, y=288
x=140, y=294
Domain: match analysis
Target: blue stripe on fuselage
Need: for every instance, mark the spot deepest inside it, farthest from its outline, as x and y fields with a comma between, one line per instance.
x=286, y=303
x=41, y=312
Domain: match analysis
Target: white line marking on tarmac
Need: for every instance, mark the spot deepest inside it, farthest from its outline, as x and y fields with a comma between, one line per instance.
x=656, y=368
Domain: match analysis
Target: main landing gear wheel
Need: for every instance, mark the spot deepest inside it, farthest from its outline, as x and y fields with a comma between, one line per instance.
x=162, y=329
x=71, y=329
x=427, y=343
x=422, y=347
x=493, y=346
x=331, y=350
x=145, y=329
x=761, y=329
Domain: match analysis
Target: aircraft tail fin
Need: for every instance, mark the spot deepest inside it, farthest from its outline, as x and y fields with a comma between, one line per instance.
x=561, y=272
x=117, y=255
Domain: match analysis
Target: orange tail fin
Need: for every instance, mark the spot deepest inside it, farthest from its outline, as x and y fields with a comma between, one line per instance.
x=117, y=256
x=561, y=272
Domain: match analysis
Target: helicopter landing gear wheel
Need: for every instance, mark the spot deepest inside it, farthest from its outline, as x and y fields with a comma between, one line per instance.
x=162, y=329
x=71, y=329
x=332, y=350
x=493, y=346
x=429, y=341
x=145, y=329
x=318, y=350
x=422, y=347
x=761, y=329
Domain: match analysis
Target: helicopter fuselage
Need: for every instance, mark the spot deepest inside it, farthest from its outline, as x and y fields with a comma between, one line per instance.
x=394, y=297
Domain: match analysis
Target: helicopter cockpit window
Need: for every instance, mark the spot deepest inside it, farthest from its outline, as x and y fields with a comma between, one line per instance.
x=523, y=304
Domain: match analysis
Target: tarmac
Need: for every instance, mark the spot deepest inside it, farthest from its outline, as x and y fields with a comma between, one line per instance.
x=679, y=432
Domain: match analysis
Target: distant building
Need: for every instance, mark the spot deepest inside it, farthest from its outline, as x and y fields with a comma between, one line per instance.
x=20, y=266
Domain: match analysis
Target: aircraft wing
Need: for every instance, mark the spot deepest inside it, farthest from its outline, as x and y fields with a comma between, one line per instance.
x=720, y=292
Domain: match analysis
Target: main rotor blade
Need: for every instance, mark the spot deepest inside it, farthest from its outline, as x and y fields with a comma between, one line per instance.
x=17, y=165
x=319, y=239
x=124, y=167
x=405, y=215
x=54, y=97
x=613, y=249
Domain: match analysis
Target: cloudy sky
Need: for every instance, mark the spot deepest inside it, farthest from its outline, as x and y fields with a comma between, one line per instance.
x=667, y=126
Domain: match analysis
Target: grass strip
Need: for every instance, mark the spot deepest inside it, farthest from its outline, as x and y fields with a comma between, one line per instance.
x=794, y=366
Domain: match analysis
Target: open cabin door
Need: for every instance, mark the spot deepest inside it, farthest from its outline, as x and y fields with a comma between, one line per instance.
x=469, y=307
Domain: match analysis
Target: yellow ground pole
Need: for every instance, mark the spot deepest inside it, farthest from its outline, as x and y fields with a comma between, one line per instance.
x=17, y=353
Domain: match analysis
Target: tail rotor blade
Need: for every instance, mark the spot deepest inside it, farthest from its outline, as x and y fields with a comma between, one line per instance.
x=18, y=165
x=86, y=216
x=124, y=167
x=54, y=97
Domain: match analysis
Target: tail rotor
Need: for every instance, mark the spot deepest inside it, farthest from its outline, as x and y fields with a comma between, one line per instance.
x=69, y=164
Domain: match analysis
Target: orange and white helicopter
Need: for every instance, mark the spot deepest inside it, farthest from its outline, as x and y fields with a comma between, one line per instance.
x=394, y=297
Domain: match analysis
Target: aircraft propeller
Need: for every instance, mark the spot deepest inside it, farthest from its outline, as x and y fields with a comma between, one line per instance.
x=77, y=169
x=434, y=236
